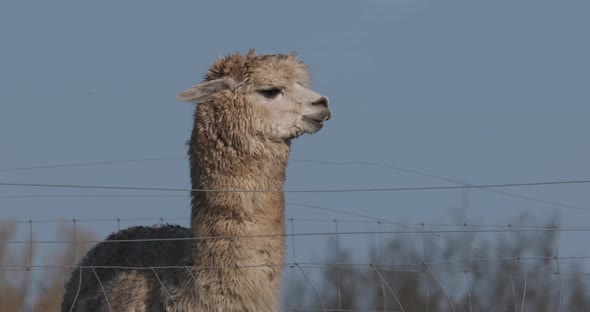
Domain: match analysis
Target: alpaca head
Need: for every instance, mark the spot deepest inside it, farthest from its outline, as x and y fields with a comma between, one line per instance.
x=264, y=97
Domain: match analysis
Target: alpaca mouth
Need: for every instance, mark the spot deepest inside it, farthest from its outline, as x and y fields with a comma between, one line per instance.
x=318, y=119
x=315, y=121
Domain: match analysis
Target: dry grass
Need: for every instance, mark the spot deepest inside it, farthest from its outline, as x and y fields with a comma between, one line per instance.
x=15, y=285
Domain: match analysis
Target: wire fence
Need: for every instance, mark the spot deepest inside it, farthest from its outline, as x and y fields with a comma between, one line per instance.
x=542, y=270
x=352, y=262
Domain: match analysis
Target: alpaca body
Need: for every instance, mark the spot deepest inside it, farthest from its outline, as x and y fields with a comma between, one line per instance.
x=233, y=274
x=230, y=259
x=170, y=289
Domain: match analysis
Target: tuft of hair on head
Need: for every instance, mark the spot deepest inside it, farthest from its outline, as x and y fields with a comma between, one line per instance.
x=251, y=54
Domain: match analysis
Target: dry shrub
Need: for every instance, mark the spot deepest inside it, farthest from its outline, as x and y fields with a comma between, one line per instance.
x=15, y=283
x=473, y=286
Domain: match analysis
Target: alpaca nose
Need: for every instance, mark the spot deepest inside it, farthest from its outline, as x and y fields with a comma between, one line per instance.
x=322, y=101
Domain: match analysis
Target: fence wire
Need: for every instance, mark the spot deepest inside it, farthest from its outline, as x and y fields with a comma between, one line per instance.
x=388, y=266
x=452, y=278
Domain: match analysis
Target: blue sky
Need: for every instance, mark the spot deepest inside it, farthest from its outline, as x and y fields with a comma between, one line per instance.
x=482, y=92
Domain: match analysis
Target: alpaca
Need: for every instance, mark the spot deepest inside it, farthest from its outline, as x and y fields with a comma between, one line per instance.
x=249, y=108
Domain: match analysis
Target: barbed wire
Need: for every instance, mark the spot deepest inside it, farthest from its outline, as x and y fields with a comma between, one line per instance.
x=87, y=164
x=441, y=178
x=344, y=265
x=466, y=231
x=332, y=163
x=302, y=220
x=342, y=190
x=93, y=196
x=93, y=220
x=327, y=266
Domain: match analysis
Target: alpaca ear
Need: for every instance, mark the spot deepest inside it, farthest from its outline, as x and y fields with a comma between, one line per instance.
x=203, y=91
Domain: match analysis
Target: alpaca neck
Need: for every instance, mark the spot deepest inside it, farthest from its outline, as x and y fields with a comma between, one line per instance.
x=219, y=213
x=216, y=166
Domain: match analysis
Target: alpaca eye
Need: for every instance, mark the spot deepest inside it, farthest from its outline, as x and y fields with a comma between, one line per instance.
x=270, y=93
